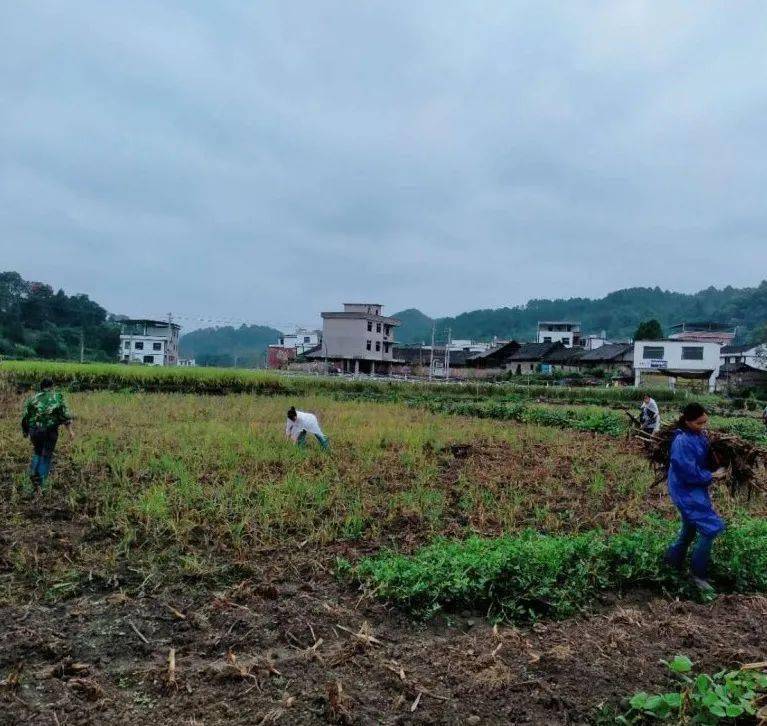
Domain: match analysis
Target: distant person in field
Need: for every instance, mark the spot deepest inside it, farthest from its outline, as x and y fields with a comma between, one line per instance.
x=44, y=412
x=689, y=479
x=650, y=415
x=764, y=416
x=301, y=423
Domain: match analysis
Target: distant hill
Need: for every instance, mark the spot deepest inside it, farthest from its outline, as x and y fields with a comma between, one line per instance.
x=415, y=326
x=226, y=346
x=618, y=314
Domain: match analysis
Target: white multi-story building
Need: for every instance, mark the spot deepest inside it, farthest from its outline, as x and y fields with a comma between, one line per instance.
x=153, y=342
x=677, y=359
x=560, y=331
x=301, y=340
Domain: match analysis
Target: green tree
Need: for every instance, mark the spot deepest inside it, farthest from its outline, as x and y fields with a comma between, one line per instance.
x=49, y=345
x=760, y=335
x=649, y=330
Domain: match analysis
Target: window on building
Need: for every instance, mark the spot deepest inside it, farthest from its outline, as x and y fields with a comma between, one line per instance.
x=378, y=327
x=547, y=339
x=378, y=345
x=307, y=339
x=370, y=326
x=156, y=346
x=148, y=359
x=387, y=329
x=139, y=346
x=127, y=345
x=566, y=341
x=692, y=352
x=369, y=346
x=653, y=352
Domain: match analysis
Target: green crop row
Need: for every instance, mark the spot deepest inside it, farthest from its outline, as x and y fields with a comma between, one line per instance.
x=598, y=420
x=579, y=418
x=106, y=376
x=520, y=577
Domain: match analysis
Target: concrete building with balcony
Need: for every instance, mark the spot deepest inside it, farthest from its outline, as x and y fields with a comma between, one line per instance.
x=152, y=342
x=359, y=339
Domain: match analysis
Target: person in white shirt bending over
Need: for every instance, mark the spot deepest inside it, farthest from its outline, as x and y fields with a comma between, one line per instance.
x=650, y=416
x=301, y=423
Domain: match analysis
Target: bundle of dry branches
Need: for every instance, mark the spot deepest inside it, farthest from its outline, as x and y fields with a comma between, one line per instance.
x=745, y=462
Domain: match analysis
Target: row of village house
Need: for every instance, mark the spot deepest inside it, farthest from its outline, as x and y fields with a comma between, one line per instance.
x=361, y=339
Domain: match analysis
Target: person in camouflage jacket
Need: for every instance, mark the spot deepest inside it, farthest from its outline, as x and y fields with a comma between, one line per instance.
x=43, y=414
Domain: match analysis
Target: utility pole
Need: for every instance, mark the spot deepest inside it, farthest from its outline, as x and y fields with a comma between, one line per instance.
x=431, y=359
x=82, y=345
x=170, y=338
x=447, y=355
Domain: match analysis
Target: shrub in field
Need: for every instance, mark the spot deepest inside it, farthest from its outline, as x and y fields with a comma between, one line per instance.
x=703, y=699
x=523, y=576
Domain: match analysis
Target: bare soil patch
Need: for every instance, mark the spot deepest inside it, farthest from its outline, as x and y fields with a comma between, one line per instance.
x=293, y=645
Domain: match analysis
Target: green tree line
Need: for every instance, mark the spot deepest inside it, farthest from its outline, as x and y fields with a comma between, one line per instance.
x=619, y=314
x=36, y=322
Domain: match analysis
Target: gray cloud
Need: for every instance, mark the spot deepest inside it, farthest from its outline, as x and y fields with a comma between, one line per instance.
x=268, y=160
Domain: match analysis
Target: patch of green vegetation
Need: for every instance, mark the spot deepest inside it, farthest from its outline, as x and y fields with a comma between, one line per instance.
x=703, y=699
x=597, y=420
x=521, y=577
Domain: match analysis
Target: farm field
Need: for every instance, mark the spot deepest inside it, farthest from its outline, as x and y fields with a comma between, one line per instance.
x=187, y=523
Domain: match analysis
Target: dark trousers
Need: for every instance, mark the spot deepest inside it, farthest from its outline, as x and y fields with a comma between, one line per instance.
x=43, y=443
x=701, y=554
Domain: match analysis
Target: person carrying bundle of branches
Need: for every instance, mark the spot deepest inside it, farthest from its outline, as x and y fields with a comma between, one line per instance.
x=689, y=478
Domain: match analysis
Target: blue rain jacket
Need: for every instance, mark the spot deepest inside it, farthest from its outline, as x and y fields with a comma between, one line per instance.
x=688, y=481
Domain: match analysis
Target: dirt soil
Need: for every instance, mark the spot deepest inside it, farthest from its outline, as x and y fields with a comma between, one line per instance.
x=293, y=645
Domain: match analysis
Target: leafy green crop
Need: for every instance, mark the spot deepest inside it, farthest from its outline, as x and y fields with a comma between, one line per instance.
x=524, y=576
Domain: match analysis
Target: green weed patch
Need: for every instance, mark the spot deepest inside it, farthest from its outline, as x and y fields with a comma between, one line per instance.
x=522, y=577
x=732, y=695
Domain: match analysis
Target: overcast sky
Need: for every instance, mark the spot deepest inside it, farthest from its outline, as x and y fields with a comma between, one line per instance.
x=268, y=160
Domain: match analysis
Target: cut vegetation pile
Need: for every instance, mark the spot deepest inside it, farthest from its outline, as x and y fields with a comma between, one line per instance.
x=744, y=460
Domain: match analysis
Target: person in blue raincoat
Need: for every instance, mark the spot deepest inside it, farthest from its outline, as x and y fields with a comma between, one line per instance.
x=689, y=479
